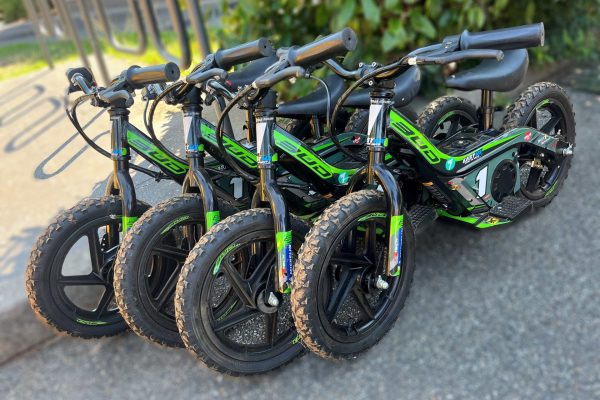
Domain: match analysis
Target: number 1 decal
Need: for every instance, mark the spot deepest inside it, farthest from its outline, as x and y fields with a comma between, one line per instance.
x=481, y=181
x=238, y=187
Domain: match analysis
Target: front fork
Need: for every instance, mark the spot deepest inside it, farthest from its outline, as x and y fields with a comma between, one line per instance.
x=197, y=176
x=378, y=173
x=120, y=182
x=268, y=192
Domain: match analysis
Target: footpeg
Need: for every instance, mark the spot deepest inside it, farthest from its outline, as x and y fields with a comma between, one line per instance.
x=511, y=207
x=421, y=216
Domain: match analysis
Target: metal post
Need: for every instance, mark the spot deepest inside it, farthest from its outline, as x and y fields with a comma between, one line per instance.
x=197, y=20
x=36, y=30
x=71, y=31
x=87, y=23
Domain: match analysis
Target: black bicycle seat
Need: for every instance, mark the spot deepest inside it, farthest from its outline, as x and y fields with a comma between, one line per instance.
x=406, y=88
x=499, y=76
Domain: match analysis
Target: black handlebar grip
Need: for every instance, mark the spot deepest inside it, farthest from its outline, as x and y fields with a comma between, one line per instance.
x=336, y=44
x=519, y=37
x=246, y=52
x=88, y=78
x=138, y=77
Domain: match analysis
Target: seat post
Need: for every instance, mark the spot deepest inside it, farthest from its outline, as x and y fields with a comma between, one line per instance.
x=487, y=109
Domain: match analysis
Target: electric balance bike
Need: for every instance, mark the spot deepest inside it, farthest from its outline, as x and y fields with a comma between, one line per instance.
x=354, y=271
x=145, y=298
x=232, y=299
x=80, y=301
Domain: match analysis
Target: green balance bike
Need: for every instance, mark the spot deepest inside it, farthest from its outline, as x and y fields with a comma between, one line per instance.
x=232, y=299
x=69, y=279
x=148, y=263
x=356, y=266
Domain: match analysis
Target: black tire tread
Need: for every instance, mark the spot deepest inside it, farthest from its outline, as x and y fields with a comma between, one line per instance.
x=33, y=270
x=323, y=228
x=441, y=105
x=123, y=284
x=183, y=318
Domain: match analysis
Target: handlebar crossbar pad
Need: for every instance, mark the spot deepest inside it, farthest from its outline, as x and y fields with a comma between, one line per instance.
x=519, y=37
x=138, y=77
x=334, y=45
x=243, y=53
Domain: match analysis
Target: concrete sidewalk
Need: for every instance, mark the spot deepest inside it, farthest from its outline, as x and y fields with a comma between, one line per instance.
x=47, y=167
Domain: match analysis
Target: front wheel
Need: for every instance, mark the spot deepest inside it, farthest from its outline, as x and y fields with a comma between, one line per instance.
x=221, y=303
x=148, y=264
x=340, y=304
x=70, y=272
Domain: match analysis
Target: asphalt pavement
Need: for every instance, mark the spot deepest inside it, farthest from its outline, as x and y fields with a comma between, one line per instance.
x=511, y=312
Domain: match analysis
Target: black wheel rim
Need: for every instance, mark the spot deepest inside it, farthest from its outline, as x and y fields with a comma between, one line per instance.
x=536, y=182
x=95, y=287
x=450, y=124
x=349, y=306
x=164, y=255
x=238, y=329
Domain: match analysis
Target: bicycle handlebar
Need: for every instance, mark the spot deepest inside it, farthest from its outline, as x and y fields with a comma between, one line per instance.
x=518, y=37
x=334, y=45
x=138, y=77
x=246, y=52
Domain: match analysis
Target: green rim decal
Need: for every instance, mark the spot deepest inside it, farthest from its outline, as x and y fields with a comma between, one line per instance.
x=91, y=323
x=283, y=242
x=373, y=216
x=228, y=311
x=127, y=223
x=173, y=223
x=223, y=254
x=144, y=146
x=448, y=115
x=395, y=245
x=235, y=149
x=551, y=190
x=296, y=339
x=212, y=217
x=543, y=103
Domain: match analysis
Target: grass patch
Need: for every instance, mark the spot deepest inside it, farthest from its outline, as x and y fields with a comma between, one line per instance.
x=22, y=58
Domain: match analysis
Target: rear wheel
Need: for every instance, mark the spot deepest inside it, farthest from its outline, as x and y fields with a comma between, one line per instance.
x=149, y=261
x=221, y=303
x=70, y=273
x=339, y=308
x=545, y=107
x=446, y=116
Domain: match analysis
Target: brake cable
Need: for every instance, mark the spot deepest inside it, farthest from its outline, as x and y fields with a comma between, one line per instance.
x=219, y=136
x=322, y=82
x=72, y=115
x=343, y=99
x=150, y=125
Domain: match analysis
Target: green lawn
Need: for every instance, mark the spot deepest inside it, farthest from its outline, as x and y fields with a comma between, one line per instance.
x=22, y=58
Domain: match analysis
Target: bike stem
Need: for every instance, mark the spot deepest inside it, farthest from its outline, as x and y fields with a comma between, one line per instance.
x=197, y=176
x=120, y=182
x=268, y=191
x=382, y=96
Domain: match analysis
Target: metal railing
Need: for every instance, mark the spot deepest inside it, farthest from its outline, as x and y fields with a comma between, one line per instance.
x=96, y=22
